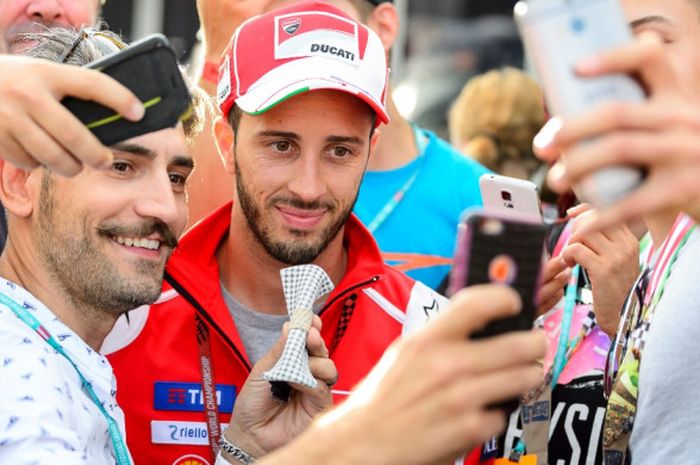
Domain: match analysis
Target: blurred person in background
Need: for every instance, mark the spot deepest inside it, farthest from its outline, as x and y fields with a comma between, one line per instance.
x=495, y=118
x=19, y=17
x=416, y=185
x=218, y=20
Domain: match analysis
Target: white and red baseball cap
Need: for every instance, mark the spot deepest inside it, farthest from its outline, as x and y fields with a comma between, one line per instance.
x=307, y=46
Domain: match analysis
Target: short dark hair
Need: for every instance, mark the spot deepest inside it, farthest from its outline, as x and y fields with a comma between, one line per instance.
x=234, y=118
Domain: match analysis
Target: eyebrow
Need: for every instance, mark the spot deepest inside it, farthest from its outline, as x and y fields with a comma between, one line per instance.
x=648, y=19
x=183, y=161
x=134, y=149
x=282, y=134
x=345, y=140
x=294, y=136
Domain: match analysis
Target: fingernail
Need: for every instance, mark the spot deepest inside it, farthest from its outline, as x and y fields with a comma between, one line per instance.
x=545, y=137
x=556, y=174
x=137, y=111
x=587, y=65
x=106, y=162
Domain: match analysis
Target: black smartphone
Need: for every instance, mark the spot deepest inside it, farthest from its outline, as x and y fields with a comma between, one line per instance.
x=500, y=249
x=149, y=69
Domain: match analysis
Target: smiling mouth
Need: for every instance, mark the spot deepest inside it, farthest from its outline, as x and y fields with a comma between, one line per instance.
x=301, y=219
x=143, y=243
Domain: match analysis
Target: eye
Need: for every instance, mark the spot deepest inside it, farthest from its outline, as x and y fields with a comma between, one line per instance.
x=341, y=152
x=282, y=146
x=121, y=166
x=178, y=179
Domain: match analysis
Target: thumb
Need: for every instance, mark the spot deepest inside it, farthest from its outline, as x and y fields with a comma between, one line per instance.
x=270, y=358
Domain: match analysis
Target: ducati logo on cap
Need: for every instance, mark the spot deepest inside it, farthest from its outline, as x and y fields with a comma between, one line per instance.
x=291, y=25
x=323, y=35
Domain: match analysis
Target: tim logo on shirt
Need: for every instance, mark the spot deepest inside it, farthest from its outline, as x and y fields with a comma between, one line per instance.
x=187, y=397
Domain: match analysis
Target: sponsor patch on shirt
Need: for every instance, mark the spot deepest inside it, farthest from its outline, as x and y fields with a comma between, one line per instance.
x=576, y=425
x=183, y=433
x=190, y=459
x=489, y=451
x=187, y=397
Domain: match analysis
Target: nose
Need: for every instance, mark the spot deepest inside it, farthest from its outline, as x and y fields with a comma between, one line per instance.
x=307, y=181
x=46, y=11
x=156, y=199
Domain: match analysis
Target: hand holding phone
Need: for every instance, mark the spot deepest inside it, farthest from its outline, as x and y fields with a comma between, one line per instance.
x=149, y=69
x=36, y=128
x=499, y=249
x=558, y=34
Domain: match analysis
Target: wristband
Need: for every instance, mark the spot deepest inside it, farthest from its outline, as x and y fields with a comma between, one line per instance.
x=210, y=72
x=235, y=451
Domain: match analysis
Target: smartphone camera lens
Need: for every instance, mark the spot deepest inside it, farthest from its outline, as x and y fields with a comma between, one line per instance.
x=505, y=195
x=492, y=227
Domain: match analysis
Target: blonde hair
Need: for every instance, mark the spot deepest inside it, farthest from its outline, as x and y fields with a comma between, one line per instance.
x=495, y=118
x=201, y=108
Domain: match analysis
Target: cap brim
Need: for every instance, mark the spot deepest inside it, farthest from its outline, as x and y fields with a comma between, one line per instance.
x=260, y=100
x=304, y=76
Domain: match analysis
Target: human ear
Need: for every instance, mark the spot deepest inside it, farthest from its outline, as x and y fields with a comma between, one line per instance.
x=374, y=140
x=225, y=139
x=385, y=22
x=15, y=188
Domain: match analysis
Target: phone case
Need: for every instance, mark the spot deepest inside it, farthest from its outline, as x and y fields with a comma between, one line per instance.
x=149, y=69
x=501, y=250
x=505, y=195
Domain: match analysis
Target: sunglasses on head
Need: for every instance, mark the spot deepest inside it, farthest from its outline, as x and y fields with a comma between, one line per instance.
x=106, y=41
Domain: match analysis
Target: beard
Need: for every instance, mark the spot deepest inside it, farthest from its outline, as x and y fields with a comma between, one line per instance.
x=84, y=271
x=304, y=249
x=20, y=37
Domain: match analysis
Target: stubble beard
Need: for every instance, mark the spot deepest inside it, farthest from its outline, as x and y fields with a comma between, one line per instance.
x=86, y=275
x=291, y=252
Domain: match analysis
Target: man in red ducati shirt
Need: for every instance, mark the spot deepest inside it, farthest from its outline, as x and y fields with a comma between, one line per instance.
x=302, y=91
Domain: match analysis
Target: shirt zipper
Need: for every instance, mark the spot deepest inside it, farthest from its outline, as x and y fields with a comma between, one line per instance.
x=227, y=340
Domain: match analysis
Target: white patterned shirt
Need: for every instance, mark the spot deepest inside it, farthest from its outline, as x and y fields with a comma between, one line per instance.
x=46, y=417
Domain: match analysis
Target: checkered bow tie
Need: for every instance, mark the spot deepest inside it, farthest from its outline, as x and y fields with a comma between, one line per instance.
x=303, y=285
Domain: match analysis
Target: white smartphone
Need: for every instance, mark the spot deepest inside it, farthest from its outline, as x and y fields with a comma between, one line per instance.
x=503, y=194
x=557, y=35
